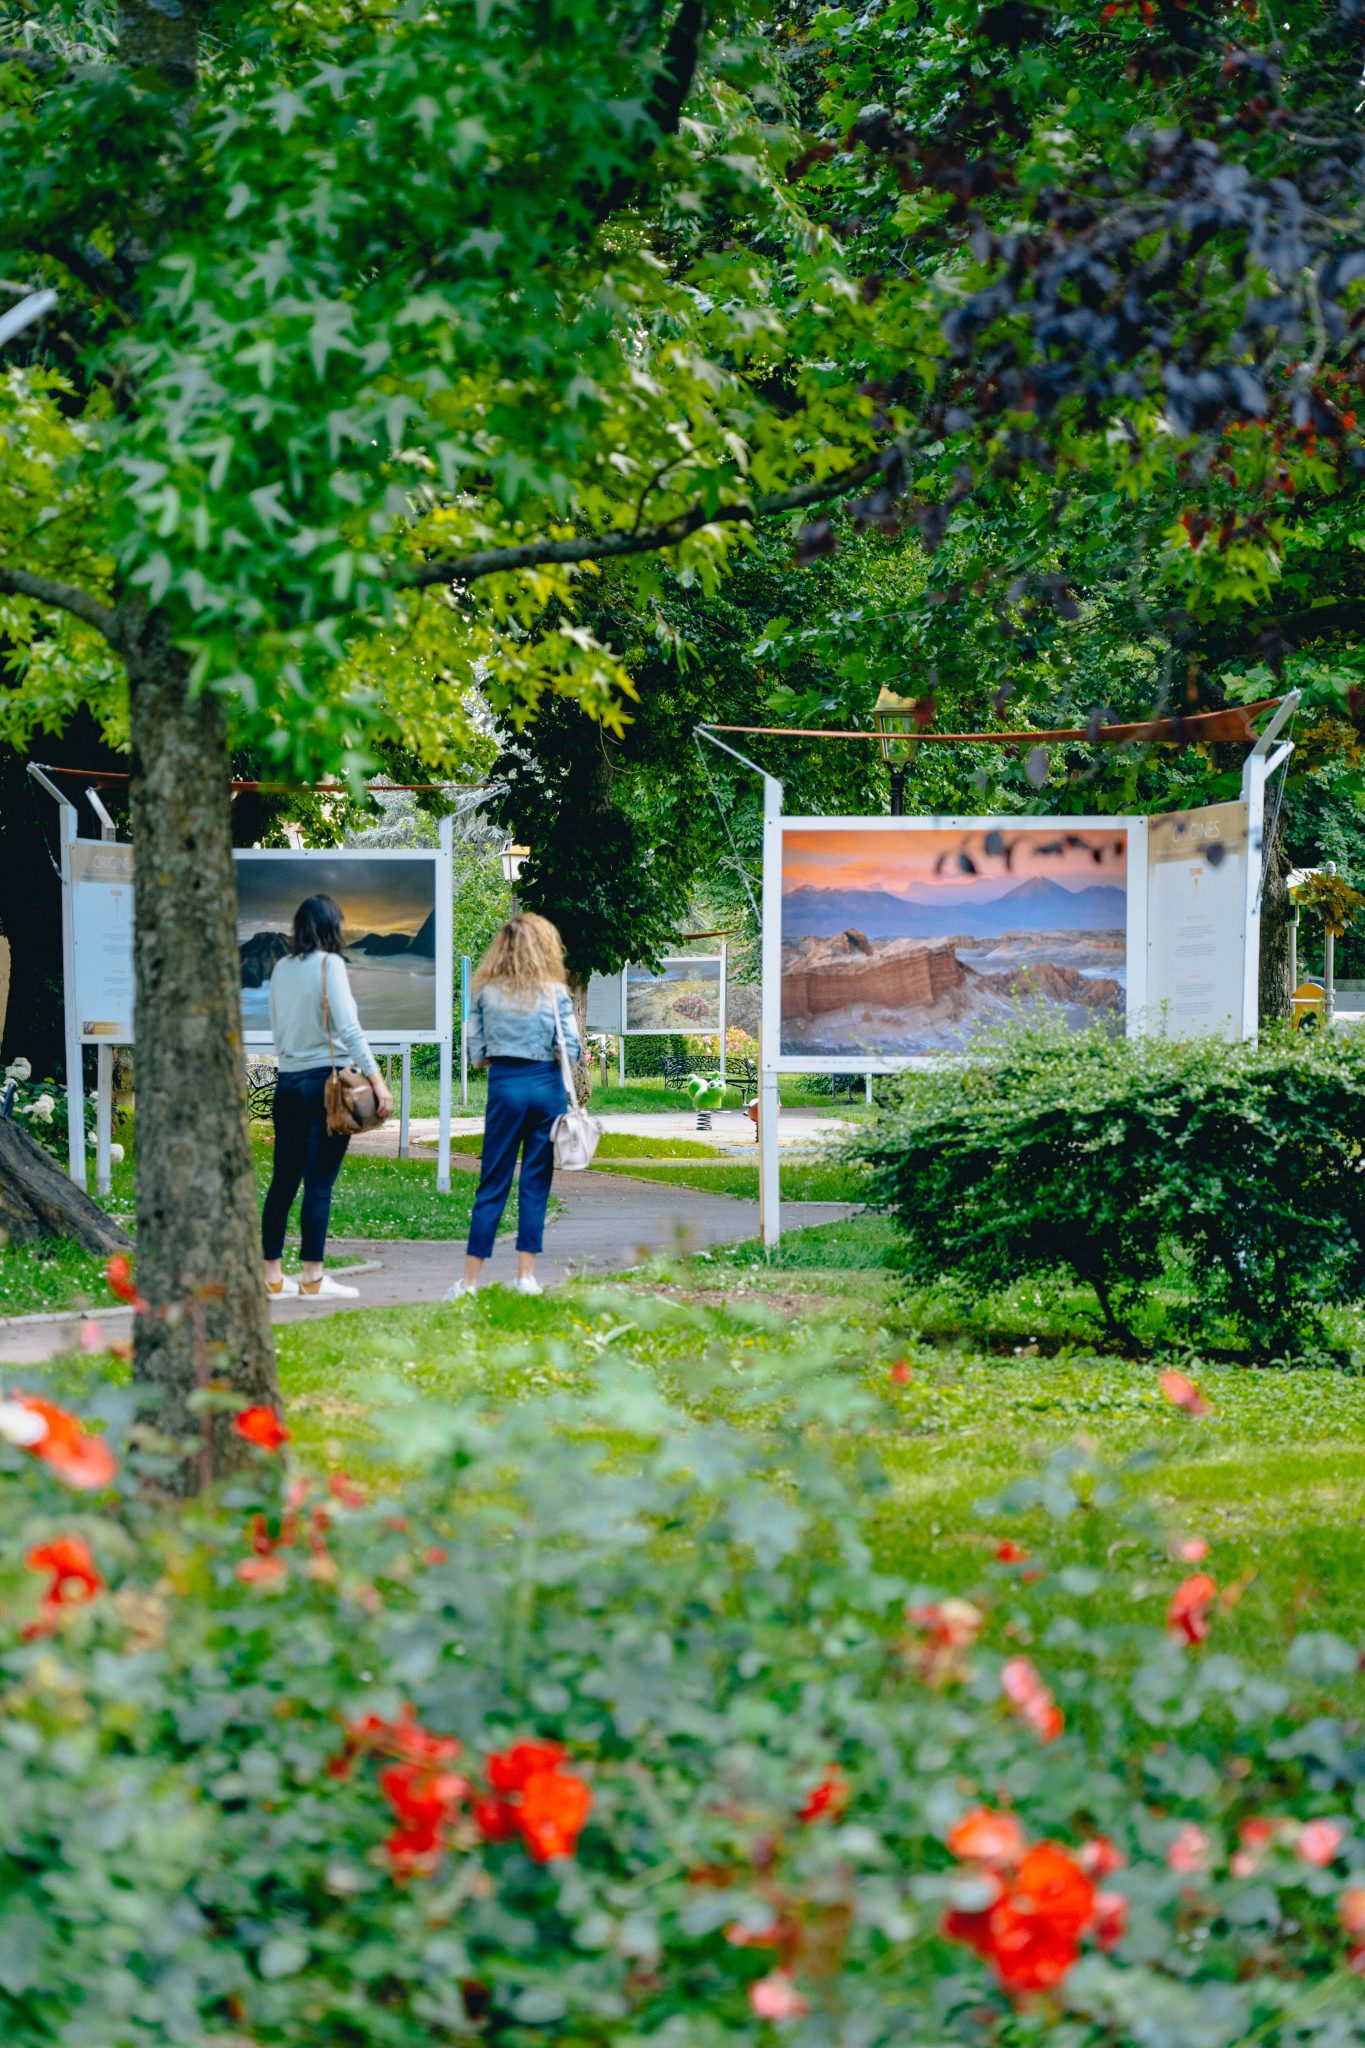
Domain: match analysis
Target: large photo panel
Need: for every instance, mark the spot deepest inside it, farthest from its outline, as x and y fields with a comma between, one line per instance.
x=910, y=941
x=388, y=905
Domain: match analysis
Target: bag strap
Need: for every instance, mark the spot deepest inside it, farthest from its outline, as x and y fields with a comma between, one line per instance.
x=326, y=1012
x=564, y=1067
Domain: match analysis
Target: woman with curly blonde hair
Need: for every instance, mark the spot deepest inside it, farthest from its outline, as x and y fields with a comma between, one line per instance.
x=520, y=1007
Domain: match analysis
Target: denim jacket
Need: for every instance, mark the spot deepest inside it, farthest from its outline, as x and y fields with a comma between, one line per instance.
x=498, y=1030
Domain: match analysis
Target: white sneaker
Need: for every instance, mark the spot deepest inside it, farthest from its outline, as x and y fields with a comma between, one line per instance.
x=527, y=1283
x=459, y=1292
x=327, y=1289
x=286, y=1287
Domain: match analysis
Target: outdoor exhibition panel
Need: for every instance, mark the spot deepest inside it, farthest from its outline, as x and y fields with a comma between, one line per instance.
x=683, y=997
x=891, y=943
x=397, y=908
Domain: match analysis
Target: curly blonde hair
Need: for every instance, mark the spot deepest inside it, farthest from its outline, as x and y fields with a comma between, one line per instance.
x=525, y=959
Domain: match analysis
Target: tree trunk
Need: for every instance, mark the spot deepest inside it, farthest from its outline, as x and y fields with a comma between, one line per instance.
x=584, y=1077
x=37, y=1199
x=198, y=1250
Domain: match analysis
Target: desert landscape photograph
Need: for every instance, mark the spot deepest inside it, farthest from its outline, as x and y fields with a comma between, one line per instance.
x=913, y=941
x=682, y=996
x=388, y=904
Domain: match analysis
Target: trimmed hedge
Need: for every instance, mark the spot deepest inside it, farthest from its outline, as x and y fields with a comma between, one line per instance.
x=1108, y=1158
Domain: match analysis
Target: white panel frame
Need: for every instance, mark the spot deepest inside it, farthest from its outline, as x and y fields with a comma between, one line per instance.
x=1133, y=830
x=443, y=901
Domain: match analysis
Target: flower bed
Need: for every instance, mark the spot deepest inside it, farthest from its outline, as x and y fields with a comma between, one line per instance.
x=564, y=1736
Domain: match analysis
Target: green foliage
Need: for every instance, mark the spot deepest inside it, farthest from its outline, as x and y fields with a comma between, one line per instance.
x=190, y=1855
x=1105, y=1157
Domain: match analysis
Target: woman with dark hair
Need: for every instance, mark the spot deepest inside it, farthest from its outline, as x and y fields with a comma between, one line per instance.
x=315, y=1027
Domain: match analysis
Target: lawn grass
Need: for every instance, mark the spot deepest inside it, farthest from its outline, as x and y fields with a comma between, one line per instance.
x=615, y=1145
x=801, y=1182
x=644, y=1092
x=377, y=1198
x=1274, y=1478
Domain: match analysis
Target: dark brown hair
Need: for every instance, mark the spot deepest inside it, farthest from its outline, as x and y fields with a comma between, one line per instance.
x=317, y=926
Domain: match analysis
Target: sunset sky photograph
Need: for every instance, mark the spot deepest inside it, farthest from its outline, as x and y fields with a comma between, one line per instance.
x=375, y=895
x=910, y=861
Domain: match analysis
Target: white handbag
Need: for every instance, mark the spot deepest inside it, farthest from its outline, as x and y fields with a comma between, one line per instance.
x=574, y=1133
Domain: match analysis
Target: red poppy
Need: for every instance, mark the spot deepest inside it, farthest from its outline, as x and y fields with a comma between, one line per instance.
x=950, y=1628
x=829, y=1797
x=995, y=1839
x=1183, y=1393
x=901, y=1373
x=404, y=1739
x=82, y=1460
x=262, y=1427
x=73, y=1578
x=495, y=1819
x=425, y=1805
x=1010, y=1553
x=119, y=1275
x=1188, y=1614
x=1111, y=1919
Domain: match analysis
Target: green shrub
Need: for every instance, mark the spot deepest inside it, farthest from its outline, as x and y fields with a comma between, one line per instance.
x=1108, y=1158
x=232, y=1814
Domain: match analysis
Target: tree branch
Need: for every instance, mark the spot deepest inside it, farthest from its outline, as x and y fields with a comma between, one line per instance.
x=667, y=97
x=64, y=597
x=647, y=540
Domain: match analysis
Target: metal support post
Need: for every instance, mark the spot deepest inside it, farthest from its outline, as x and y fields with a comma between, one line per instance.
x=769, y=1157
x=404, y=1100
x=75, y=1093
x=104, y=1054
x=897, y=791
x=724, y=950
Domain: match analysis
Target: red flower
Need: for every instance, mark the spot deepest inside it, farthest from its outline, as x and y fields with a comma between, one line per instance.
x=404, y=1739
x=425, y=1805
x=269, y=1570
x=73, y=1578
x=1318, y=1842
x=1031, y=1933
x=348, y=1491
x=995, y=1839
x=495, y=1819
x=830, y=1797
x=777, y=1998
x=554, y=1808
x=262, y=1427
x=1030, y=1698
x=509, y=1769
x=901, y=1373
x=1183, y=1393
x=1111, y=1919
x=119, y=1275
x=950, y=1627
x=1190, y=1851
x=1193, y=1550
x=1351, y=1909
x=1099, y=1857
x=1188, y=1614
x=82, y=1460
x=536, y=1798
x=1010, y=1553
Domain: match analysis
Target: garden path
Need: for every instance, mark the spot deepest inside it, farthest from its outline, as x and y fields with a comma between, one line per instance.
x=605, y=1222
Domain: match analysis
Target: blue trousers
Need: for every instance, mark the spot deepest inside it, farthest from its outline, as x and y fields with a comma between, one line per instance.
x=524, y=1098
x=307, y=1153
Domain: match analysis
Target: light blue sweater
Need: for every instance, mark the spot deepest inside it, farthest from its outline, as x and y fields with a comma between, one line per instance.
x=500, y=1030
x=296, y=1015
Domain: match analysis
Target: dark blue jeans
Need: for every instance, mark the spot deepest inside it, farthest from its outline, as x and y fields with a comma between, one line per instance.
x=524, y=1098
x=306, y=1154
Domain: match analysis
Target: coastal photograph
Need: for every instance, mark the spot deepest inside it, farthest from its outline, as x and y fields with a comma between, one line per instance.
x=388, y=903
x=910, y=942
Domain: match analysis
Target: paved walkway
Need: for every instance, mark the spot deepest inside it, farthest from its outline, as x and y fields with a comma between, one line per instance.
x=730, y=1131
x=607, y=1222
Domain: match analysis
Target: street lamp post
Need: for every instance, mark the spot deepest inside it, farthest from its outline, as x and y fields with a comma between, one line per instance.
x=895, y=720
x=512, y=857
